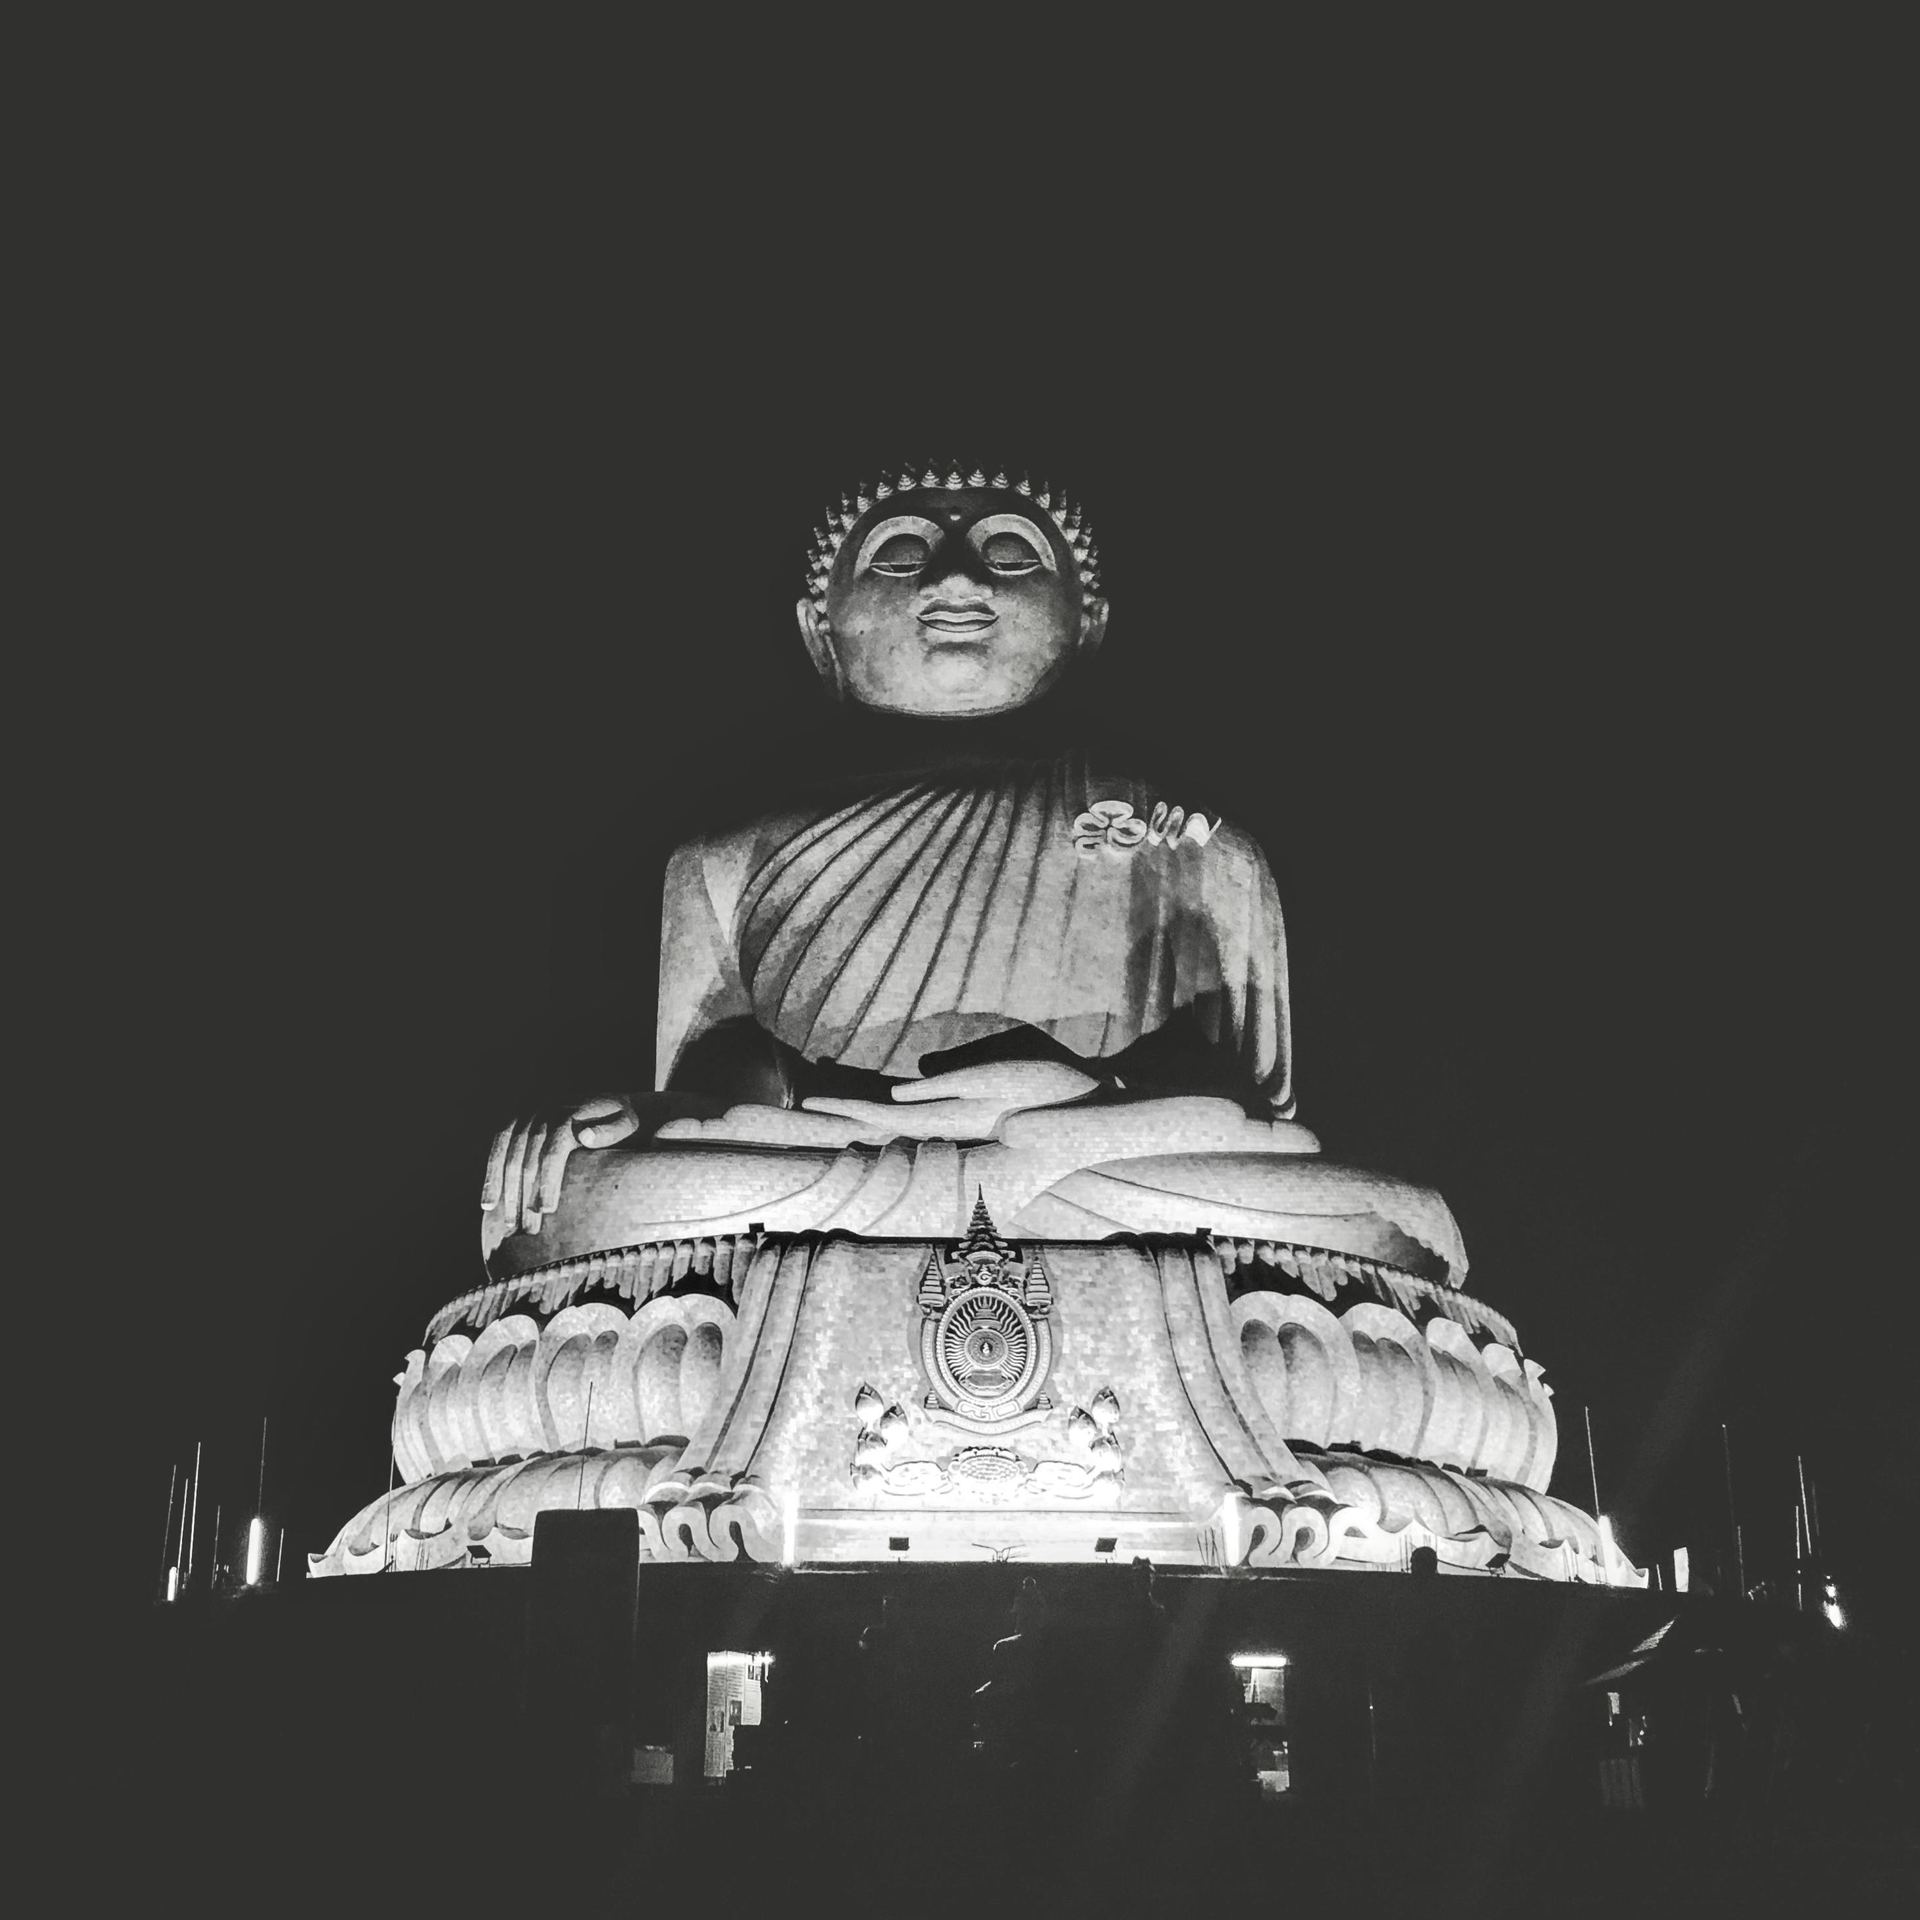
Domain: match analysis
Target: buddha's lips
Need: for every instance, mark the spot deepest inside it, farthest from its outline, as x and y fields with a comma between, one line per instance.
x=959, y=619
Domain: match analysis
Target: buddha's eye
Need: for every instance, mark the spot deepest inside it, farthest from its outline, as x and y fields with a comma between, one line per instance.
x=1008, y=553
x=901, y=557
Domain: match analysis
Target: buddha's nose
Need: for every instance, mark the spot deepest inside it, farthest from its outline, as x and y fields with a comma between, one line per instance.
x=957, y=568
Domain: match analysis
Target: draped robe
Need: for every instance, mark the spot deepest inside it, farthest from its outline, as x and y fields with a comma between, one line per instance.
x=936, y=911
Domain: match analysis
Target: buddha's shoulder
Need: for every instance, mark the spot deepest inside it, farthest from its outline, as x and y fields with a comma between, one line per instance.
x=721, y=862
x=1129, y=807
x=1170, y=811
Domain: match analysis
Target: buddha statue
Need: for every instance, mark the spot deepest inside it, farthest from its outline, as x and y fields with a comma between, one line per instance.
x=971, y=1209
x=1054, y=971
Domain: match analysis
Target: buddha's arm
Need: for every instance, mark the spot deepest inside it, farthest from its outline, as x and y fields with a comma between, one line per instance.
x=1227, y=1033
x=704, y=1018
x=700, y=985
x=1262, y=1017
x=707, y=1039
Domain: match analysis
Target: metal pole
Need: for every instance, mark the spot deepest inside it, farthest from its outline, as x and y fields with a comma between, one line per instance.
x=260, y=1493
x=1373, y=1738
x=586, y=1440
x=180, y=1538
x=193, y=1529
x=1800, y=1467
x=386, y=1527
x=1733, y=1517
x=166, y=1532
x=280, y=1557
x=213, y=1565
x=1593, y=1472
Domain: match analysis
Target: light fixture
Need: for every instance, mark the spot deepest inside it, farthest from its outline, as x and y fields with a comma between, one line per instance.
x=1259, y=1660
x=256, y=1550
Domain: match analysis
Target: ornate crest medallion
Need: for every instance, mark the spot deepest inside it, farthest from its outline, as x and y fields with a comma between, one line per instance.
x=986, y=1345
x=986, y=1338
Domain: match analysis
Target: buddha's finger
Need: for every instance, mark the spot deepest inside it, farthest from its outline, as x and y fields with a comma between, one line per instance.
x=872, y=1122
x=491, y=1182
x=865, y=1113
x=951, y=1120
x=768, y=1126
x=604, y=1122
x=537, y=1136
x=1035, y=1083
x=942, y=1120
x=493, y=1230
x=512, y=1186
x=552, y=1171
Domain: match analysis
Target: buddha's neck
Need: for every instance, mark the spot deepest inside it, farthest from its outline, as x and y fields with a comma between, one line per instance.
x=872, y=742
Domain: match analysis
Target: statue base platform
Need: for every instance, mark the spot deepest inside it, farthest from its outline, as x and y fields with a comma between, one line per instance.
x=811, y=1399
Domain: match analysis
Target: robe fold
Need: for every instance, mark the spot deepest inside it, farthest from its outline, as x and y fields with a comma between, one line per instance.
x=937, y=911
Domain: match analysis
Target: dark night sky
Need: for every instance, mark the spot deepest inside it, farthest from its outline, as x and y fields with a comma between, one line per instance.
x=1498, y=539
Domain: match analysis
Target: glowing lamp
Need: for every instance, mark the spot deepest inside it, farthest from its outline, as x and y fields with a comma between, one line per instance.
x=1259, y=1660
x=256, y=1550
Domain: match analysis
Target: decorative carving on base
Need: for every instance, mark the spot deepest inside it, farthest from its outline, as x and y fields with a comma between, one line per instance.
x=986, y=1333
x=1380, y=1511
x=926, y=1453
x=986, y=1348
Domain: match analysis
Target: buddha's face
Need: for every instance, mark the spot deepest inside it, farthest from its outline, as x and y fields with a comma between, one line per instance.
x=956, y=603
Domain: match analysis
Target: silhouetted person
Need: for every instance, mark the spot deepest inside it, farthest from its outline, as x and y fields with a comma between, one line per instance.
x=1030, y=1610
x=888, y=1700
x=1018, y=1708
x=1140, y=1706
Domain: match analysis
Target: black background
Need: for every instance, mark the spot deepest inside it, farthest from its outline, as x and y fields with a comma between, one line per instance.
x=1497, y=504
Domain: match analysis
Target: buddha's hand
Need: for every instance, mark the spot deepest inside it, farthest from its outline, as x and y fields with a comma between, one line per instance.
x=528, y=1164
x=966, y=1104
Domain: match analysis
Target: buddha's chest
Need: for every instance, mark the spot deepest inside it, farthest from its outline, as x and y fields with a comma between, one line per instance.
x=1029, y=901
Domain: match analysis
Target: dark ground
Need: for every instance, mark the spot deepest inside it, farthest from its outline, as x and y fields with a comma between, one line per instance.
x=388, y=1743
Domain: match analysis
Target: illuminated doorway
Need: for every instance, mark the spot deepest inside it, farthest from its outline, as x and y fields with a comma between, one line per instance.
x=1263, y=1689
x=734, y=1690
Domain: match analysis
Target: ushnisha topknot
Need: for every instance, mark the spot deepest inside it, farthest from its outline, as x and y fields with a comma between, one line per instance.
x=1066, y=516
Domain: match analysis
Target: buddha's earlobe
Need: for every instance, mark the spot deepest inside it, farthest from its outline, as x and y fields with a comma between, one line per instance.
x=1093, y=624
x=818, y=636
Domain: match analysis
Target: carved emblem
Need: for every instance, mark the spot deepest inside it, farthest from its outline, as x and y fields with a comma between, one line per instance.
x=1112, y=826
x=986, y=1344
x=985, y=1335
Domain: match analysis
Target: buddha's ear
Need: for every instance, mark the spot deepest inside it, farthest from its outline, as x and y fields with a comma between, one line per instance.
x=819, y=638
x=1093, y=624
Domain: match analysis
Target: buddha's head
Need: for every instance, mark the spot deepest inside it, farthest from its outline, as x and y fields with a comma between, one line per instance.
x=951, y=593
